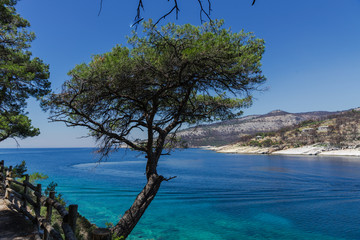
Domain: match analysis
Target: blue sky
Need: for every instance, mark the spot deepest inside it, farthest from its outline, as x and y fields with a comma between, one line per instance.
x=312, y=57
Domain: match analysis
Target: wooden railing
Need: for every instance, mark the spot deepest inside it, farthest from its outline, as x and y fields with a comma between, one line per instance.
x=32, y=195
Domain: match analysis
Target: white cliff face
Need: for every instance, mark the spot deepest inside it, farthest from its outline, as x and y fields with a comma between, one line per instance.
x=231, y=131
x=305, y=150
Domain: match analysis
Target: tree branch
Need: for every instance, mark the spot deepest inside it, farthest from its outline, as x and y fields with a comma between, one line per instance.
x=175, y=8
x=101, y=4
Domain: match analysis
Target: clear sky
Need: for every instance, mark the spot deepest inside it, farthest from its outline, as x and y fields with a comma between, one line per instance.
x=312, y=58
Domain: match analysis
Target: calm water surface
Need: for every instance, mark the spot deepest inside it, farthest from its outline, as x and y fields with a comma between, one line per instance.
x=215, y=196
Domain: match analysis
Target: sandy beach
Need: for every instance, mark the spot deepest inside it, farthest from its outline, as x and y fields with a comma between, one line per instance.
x=305, y=150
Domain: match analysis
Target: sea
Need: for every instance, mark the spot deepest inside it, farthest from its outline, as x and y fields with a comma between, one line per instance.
x=214, y=195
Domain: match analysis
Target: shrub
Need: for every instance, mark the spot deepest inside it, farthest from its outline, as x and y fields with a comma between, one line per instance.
x=254, y=143
x=267, y=143
x=19, y=170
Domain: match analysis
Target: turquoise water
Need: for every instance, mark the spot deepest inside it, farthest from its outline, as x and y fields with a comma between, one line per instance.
x=215, y=196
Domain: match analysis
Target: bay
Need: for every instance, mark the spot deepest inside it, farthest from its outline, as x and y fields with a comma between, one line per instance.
x=214, y=196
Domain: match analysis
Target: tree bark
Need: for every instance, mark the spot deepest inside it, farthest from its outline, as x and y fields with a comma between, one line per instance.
x=151, y=168
x=142, y=201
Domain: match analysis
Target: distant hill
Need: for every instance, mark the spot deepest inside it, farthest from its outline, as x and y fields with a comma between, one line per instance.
x=232, y=131
x=340, y=130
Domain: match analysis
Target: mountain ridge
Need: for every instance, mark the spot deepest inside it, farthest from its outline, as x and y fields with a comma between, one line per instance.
x=233, y=130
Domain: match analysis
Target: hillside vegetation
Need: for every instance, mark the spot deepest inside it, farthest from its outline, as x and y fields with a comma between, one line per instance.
x=339, y=130
x=236, y=130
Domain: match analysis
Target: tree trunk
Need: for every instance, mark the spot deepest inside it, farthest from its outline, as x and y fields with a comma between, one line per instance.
x=142, y=201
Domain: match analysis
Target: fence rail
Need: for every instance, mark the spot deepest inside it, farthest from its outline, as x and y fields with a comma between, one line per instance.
x=32, y=195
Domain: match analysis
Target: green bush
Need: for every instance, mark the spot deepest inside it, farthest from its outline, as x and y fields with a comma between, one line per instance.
x=37, y=176
x=254, y=143
x=267, y=143
x=19, y=170
x=58, y=196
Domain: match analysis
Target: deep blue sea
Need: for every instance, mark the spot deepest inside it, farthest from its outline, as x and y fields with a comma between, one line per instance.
x=215, y=196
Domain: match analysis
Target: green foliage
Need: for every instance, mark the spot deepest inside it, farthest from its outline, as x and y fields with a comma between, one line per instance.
x=37, y=176
x=56, y=218
x=169, y=76
x=51, y=187
x=58, y=196
x=254, y=143
x=297, y=144
x=16, y=125
x=267, y=143
x=84, y=228
x=309, y=123
x=114, y=237
x=266, y=134
x=109, y=224
x=19, y=170
x=21, y=75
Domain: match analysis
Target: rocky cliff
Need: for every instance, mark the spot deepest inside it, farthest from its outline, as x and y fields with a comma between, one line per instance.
x=232, y=131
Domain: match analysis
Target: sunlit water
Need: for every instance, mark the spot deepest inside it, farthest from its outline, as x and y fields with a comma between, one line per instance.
x=215, y=196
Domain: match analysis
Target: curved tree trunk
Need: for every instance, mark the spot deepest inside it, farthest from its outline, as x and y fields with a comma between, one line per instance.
x=142, y=201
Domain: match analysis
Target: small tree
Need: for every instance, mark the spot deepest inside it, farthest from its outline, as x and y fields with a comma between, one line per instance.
x=20, y=76
x=173, y=76
x=19, y=170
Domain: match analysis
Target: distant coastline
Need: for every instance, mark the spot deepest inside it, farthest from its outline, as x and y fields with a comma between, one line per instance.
x=315, y=149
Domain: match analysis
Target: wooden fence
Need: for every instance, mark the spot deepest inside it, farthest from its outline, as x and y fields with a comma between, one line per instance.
x=32, y=195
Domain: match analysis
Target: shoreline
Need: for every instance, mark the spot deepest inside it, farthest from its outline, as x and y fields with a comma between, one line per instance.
x=314, y=150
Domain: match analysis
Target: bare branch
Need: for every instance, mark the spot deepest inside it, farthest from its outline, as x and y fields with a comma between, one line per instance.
x=202, y=11
x=101, y=4
x=167, y=14
x=138, y=17
x=175, y=8
x=168, y=179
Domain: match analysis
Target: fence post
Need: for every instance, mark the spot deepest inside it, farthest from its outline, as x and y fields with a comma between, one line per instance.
x=2, y=174
x=38, y=201
x=48, y=215
x=73, y=216
x=7, y=182
x=25, y=191
x=49, y=207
